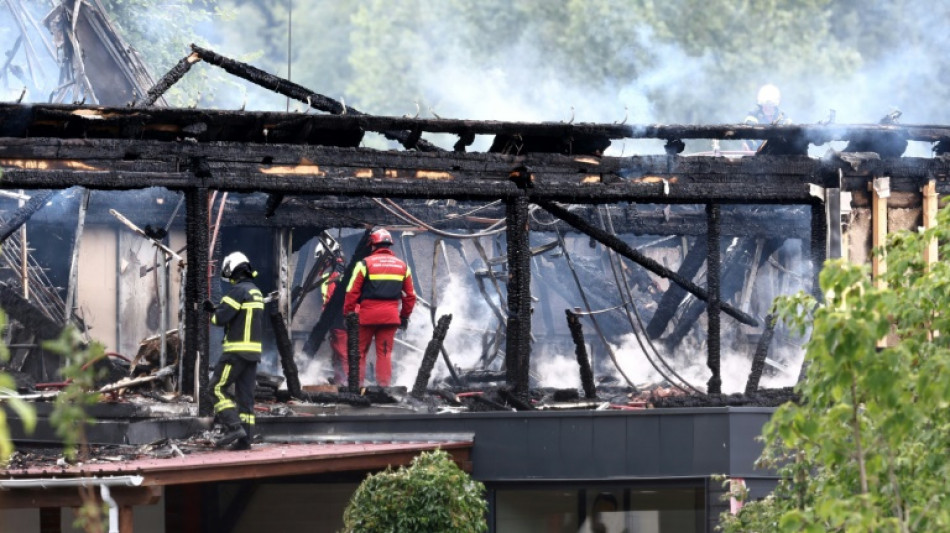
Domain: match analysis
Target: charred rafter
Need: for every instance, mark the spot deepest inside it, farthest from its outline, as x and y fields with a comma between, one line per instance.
x=129, y=164
x=28, y=120
x=409, y=138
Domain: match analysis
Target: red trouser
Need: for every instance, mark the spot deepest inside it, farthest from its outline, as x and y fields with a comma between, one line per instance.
x=338, y=346
x=385, y=335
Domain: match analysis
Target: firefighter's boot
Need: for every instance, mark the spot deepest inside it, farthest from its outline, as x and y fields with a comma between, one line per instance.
x=231, y=434
x=243, y=443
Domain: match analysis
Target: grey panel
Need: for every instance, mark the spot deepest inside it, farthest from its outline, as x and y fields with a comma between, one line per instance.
x=711, y=443
x=577, y=446
x=676, y=445
x=544, y=447
x=643, y=446
x=744, y=429
x=501, y=450
x=610, y=447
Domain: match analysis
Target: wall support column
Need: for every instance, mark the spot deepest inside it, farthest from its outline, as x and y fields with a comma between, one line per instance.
x=518, y=343
x=196, y=290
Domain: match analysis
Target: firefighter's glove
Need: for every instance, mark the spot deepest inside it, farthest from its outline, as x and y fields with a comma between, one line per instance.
x=403, y=322
x=208, y=306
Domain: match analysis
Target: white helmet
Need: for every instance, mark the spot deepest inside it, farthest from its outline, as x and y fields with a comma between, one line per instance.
x=232, y=262
x=769, y=94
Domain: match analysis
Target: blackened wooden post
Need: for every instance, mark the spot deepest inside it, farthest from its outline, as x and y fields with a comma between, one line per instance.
x=819, y=245
x=430, y=355
x=713, y=221
x=580, y=350
x=518, y=344
x=761, y=352
x=352, y=321
x=196, y=290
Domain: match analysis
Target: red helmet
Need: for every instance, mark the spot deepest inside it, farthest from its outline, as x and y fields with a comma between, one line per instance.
x=380, y=237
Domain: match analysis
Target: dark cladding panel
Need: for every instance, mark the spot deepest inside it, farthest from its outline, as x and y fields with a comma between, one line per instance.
x=577, y=446
x=544, y=446
x=711, y=442
x=643, y=445
x=507, y=449
x=745, y=449
x=610, y=450
x=676, y=445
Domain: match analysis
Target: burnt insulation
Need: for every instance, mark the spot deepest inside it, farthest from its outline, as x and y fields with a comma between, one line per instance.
x=285, y=349
x=353, y=350
x=580, y=350
x=518, y=341
x=713, y=263
x=430, y=355
x=761, y=351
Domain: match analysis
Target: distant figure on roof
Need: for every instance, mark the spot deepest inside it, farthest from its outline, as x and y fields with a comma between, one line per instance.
x=766, y=112
x=240, y=314
x=378, y=285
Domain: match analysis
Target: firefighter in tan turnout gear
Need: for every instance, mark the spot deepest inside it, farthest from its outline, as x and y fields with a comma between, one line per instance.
x=240, y=314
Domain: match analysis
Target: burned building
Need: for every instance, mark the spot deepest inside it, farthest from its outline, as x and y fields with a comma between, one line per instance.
x=578, y=306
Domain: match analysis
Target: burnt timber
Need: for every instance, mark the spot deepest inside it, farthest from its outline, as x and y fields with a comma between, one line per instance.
x=195, y=151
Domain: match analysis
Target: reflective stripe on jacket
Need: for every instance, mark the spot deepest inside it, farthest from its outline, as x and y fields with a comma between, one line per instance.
x=241, y=315
x=378, y=284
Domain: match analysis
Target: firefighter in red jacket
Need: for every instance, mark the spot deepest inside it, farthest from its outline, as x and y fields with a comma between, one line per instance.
x=376, y=288
x=337, y=329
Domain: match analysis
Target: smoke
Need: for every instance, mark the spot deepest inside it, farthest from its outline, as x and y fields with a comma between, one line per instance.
x=734, y=367
x=471, y=317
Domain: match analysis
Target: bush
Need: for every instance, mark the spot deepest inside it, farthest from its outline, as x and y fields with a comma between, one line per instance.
x=430, y=496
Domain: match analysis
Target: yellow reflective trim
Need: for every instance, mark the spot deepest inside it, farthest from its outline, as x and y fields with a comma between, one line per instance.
x=242, y=347
x=360, y=269
x=247, y=325
x=255, y=292
x=247, y=418
x=231, y=302
x=221, y=406
x=252, y=305
x=386, y=277
x=223, y=401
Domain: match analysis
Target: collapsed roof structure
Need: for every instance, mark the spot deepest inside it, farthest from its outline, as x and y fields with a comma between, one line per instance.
x=684, y=252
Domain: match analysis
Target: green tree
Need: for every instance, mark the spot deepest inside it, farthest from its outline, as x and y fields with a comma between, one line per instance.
x=9, y=400
x=865, y=450
x=431, y=496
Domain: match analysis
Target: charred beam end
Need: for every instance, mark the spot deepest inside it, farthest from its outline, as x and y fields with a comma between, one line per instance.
x=714, y=305
x=466, y=138
x=24, y=213
x=170, y=78
x=430, y=355
x=580, y=349
x=285, y=349
x=617, y=245
x=761, y=352
x=353, y=351
x=515, y=399
x=299, y=92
